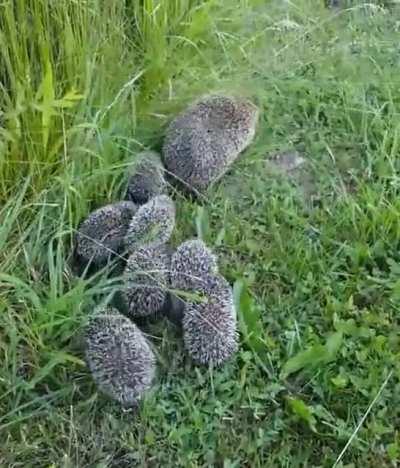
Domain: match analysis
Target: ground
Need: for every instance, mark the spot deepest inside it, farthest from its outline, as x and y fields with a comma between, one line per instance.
x=312, y=252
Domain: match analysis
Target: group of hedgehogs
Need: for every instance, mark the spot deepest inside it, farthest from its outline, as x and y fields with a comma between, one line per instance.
x=200, y=145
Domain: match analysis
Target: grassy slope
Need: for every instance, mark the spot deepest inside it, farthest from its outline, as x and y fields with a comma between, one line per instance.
x=316, y=273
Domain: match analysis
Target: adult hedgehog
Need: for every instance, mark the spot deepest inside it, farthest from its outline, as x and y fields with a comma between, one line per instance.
x=203, y=141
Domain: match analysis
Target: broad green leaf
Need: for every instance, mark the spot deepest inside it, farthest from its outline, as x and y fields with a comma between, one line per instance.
x=349, y=327
x=249, y=317
x=314, y=356
x=302, y=411
x=340, y=381
x=333, y=344
x=393, y=451
x=47, y=103
x=202, y=223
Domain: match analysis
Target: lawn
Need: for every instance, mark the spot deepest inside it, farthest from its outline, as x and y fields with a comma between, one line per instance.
x=312, y=253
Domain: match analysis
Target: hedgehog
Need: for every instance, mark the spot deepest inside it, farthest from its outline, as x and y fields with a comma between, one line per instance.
x=152, y=224
x=209, y=326
x=146, y=179
x=192, y=262
x=203, y=141
x=119, y=357
x=101, y=235
x=146, y=280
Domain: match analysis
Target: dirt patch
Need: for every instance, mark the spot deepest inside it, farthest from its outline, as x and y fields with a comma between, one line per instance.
x=294, y=166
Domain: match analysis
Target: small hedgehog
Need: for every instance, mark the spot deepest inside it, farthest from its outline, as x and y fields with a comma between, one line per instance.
x=102, y=234
x=146, y=179
x=146, y=280
x=202, y=142
x=209, y=326
x=119, y=357
x=152, y=225
x=192, y=262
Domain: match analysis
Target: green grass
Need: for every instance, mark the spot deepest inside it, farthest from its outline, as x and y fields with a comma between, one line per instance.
x=316, y=271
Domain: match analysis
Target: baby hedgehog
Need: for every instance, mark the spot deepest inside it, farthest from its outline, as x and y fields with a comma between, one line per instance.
x=119, y=357
x=209, y=326
x=146, y=280
x=152, y=225
x=202, y=142
x=102, y=234
x=191, y=264
x=147, y=178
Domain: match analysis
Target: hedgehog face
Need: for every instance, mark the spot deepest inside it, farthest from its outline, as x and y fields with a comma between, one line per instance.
x=147, y=178
x=191, y=264
x=152, y=225
x=102, y=234
x=225, y=114
x=146, y=279
x=203, y=141
x=119, y=357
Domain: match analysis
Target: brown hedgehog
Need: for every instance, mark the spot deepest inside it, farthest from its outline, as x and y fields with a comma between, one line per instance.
x=119, y=357
x=101, y=235
x=209, y=325
x=152, y=225
x=191, y=263
x=146, y=179
x=203, y=141
x=146, y=281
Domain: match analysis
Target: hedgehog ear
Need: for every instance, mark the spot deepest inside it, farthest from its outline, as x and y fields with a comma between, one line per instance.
x=202, y=222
